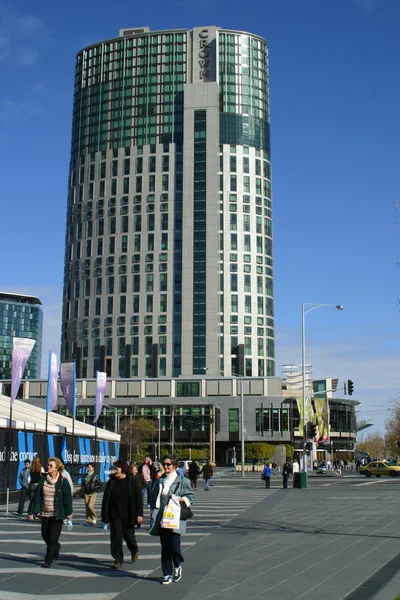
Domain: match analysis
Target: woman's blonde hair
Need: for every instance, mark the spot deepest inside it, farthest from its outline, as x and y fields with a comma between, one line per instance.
x=59, y=465
x=36, y=465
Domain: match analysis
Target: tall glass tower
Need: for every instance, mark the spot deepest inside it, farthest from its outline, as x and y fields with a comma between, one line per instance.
x=168, y=252
x=20, y=316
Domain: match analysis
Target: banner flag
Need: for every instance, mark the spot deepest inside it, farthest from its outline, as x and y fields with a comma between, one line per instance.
x=322, y=411
x=52, y=392
x=101, y=380
x=326, y=420
x=68, y=385
x=309, y=411
x=300, y=409
x=22, y=348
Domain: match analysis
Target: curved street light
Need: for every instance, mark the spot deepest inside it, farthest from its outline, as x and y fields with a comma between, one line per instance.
x=304, y=312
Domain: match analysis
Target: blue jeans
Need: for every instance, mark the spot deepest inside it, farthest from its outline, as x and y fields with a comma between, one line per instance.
x=206, y=483
x=148, y=488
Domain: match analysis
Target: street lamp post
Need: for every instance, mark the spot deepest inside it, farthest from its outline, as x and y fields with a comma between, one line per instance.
x=159, y=436
x=238, y=377
x=303, y=364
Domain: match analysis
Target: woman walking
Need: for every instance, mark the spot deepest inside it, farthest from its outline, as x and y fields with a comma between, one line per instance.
x=36, y=473
x=53, y=502
x=90, y=485
x=193, y=474
x=169, y=484
x=123, y=508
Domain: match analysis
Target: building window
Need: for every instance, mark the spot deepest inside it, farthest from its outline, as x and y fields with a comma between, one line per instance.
x=233, y=420
x=185, y=389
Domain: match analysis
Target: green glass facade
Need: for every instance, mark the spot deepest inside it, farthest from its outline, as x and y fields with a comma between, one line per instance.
x=20, y=316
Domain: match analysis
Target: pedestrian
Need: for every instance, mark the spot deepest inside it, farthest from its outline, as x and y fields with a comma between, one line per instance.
x=274, y=465
x=171, y=483
x=285, y=475
x=68, y=477
x=295, y=466
x=122, y=508
x=36, y=473
x=159, y=472
x=25, y=482
x=207, y=472
x=149, y=472
x=90, y=484
x=267, y=475
x=193, y=474
x=52, y=500
x=133, y=470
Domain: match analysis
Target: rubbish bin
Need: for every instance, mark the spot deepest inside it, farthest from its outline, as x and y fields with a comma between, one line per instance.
x=300, y=480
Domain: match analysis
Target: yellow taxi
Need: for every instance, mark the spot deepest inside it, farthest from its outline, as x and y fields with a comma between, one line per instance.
x=378, y=468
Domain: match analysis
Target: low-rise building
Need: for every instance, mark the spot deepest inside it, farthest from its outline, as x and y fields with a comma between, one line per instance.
x=203, y=411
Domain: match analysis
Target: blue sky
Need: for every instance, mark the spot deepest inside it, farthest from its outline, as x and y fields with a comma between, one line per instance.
x=335, y=97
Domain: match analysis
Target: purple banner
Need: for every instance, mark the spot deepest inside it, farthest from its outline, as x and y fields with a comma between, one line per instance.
x=52, y=383
x=22, y=348
x=68, y=385
x=101, y=380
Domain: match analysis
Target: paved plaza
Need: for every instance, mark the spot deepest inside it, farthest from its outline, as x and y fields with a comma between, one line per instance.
x=338, y=539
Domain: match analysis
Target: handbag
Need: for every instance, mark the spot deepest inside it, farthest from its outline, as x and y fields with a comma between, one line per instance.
x=186, y=512
x=263, y=476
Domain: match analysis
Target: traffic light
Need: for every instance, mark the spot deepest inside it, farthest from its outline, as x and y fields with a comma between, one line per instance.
x=308, y=429
x=313, y=430
x=309, y=446
x=350, y=387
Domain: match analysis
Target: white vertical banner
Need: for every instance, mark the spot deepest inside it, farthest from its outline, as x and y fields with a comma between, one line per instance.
x=22, y=348
x=52, y=383
x=101, y=380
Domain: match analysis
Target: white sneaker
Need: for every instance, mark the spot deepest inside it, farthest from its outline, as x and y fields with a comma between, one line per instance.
x=178, y=574
x=94, y=521
x=166, y=580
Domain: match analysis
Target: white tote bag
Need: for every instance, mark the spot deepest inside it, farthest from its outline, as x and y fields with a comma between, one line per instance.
x=172, y=514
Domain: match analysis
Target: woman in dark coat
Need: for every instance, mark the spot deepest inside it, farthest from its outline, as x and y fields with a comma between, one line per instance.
x=123, y=508
x=53, y=501
x=193, y=474
x=171, y=483
x=286, y=471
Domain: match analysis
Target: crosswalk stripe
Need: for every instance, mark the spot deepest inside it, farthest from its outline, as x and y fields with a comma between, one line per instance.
x=65, y=557
x=90, y=543
x=21, y=596
x=70, y=573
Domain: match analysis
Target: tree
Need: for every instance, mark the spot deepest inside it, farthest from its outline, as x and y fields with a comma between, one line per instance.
x=259, y=451
x=393, y=431
x=373, y=445
x=136, y=434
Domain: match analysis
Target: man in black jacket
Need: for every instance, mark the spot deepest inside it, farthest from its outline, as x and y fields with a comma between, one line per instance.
x=123, y=508
x=25, y=480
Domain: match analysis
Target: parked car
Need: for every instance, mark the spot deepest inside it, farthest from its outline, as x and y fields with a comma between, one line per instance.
x=378, y=468
x=184, y=464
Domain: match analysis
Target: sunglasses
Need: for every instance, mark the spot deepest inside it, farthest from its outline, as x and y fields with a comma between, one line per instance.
x=167, y=464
